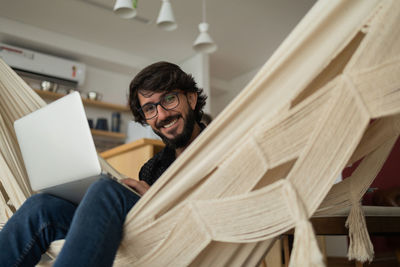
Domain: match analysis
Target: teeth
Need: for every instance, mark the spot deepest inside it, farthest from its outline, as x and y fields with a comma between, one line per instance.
x=170, y=124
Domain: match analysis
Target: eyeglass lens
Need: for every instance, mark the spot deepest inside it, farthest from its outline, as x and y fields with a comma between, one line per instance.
x=168, y=101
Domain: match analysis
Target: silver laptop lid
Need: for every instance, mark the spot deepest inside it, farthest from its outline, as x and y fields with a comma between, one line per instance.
x=56, y=144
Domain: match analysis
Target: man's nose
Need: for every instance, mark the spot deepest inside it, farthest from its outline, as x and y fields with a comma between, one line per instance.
x=162, y=113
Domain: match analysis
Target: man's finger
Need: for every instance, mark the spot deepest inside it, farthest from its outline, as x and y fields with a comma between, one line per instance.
x=140, y=186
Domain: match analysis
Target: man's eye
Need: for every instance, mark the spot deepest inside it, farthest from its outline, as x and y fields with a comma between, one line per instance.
x=169, y=98
x=148, y=108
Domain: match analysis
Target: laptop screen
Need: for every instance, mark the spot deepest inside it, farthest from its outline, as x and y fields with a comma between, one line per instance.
x=56, y=143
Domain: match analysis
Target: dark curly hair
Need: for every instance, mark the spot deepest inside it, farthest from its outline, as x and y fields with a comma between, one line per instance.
x=160, y=77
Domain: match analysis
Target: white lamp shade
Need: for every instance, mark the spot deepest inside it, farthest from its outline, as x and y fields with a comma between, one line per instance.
x=124, y=9
x=204, y=43
x=166, y=19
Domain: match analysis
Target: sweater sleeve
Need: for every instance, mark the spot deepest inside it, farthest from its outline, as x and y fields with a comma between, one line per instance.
x=156, y=166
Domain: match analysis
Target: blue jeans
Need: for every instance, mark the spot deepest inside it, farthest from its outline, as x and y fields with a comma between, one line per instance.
x=92, y=230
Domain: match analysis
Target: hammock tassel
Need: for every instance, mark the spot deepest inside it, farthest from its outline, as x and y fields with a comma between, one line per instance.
x=305, y=247
x=360, y=248
x=305, y=251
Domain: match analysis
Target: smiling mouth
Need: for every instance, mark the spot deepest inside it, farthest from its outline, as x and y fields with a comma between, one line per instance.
x=170, y=124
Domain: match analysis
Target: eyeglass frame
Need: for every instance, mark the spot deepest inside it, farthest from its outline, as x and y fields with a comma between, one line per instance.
x=159, y=104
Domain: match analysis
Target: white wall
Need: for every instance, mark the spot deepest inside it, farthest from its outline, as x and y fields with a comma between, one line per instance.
x=199, y=67
x=113, y=86
x=224, y=92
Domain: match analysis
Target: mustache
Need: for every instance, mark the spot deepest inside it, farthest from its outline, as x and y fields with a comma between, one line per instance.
x=167, y=121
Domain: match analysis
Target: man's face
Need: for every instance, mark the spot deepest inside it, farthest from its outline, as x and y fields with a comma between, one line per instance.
x=174, y=126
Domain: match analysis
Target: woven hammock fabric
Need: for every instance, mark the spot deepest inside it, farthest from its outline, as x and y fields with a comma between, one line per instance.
x=269, y=160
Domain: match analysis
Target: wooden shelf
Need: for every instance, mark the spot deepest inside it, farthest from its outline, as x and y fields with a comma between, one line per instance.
x=86, y=102
x=108, y=134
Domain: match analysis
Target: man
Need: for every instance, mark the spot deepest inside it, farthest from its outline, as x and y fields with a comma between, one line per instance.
x=164, y=97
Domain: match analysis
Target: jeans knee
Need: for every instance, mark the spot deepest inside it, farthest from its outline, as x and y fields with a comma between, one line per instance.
x=41, y=200
x=47, y=205
x=109, y=193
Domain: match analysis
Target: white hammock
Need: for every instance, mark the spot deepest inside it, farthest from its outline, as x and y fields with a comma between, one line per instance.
x=266, y=164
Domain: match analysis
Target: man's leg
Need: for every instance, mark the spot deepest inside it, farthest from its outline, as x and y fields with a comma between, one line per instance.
x=96, y=229
x=27, y=235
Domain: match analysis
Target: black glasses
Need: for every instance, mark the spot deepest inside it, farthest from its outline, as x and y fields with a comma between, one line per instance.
x=168, y=101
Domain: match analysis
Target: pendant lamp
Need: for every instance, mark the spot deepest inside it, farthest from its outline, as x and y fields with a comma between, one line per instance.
x=204, y=43
x=166, y=19
x=125, y=8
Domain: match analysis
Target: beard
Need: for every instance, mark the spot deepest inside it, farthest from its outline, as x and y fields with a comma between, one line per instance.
x=182, y=139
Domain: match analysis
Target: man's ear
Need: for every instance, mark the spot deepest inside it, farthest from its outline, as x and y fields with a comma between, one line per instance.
x=192, y=99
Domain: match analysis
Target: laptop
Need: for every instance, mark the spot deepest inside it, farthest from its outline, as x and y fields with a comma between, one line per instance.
x=58, y=149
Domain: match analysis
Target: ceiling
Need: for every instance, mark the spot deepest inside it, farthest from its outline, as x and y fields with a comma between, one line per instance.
x=246, y=32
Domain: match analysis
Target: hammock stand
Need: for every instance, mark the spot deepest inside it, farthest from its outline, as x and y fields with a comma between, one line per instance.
x=328, y=97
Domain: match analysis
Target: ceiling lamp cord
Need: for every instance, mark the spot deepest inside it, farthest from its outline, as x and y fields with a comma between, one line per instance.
x=204, y=43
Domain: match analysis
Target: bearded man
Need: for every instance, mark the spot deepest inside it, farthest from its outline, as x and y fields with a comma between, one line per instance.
x=168, y=100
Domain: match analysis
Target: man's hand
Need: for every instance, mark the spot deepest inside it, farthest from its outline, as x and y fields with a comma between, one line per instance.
x=140, y=186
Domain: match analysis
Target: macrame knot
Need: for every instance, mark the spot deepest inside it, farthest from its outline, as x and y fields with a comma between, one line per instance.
x=360, y=247
x=305, y=247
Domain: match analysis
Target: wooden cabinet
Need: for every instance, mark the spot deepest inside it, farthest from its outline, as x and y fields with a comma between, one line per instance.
x=129, y=158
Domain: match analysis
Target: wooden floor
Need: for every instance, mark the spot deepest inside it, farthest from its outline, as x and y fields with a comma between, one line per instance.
x=388, y=260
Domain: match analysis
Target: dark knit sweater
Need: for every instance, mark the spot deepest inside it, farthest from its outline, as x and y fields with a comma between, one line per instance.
x=157, y=165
